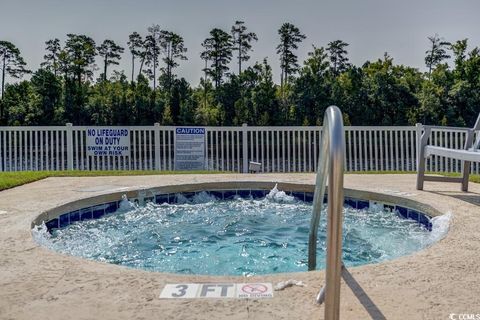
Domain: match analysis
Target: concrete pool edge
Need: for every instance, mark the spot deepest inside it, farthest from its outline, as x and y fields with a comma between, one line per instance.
x=141, y=194
x=38, y=283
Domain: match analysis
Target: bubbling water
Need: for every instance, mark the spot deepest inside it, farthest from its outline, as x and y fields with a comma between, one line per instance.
x=204, y=235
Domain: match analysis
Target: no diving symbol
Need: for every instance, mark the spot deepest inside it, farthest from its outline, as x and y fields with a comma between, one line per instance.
x=254, y=288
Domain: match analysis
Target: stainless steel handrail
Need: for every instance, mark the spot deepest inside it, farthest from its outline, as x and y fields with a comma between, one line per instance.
x=331, y=164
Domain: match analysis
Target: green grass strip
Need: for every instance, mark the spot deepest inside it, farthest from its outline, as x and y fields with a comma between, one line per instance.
x=14, y=179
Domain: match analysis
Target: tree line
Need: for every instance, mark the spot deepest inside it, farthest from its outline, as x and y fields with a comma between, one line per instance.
x=378, y=92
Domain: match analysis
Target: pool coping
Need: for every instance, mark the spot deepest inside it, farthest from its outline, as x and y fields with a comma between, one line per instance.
x=36, y=282
x=142, y=196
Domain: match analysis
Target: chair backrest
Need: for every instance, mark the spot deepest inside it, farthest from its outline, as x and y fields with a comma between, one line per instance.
x=476, y=128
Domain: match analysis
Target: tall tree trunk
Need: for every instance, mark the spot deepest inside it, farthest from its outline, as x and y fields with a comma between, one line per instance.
x=133, y=66
x=281, y=81
x=217, y=73
x=282, y=67
x=3, y=88
x=154, y=75
x=240, y=56
x=141, y=66
x=431, y=60
x=205, y=86
x=3, y=77
x=169, y=62
x=55, y=66
x=105, y=69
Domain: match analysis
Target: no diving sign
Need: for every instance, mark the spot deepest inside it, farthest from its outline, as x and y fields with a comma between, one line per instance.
x=217, y=290
x=255, y=290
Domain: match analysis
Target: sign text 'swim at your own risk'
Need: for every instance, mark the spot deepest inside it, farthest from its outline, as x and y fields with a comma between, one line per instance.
x=108, y=141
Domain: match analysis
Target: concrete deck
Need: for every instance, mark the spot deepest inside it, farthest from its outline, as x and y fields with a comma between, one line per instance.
x=36, y=283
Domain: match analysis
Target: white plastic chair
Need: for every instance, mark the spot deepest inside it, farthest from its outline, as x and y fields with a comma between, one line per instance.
x=470, y=153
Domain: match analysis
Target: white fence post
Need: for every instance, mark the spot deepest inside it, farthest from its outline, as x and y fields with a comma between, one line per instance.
x=419, y=128
x=157, y=145
x=245, y=147
x=69, y=146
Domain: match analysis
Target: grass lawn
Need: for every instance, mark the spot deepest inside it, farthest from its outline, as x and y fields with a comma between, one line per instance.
x=14, y=179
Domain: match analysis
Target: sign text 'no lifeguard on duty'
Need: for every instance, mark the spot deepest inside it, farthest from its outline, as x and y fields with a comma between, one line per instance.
x=190, y=149
x=108, y=141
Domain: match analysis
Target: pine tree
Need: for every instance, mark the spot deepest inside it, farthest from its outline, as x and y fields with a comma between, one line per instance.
x=437, y=52
x=152, y=52
x=49, y=90
x=242, y=41
x=338, y=58
x=80, y=53
x=52, y=60
x=135, y=44
x=173, y=49
x=290, y=36
x=78, y=65
x=218, y=50
x=11, y=61
x=12, y=64
x=110, y=53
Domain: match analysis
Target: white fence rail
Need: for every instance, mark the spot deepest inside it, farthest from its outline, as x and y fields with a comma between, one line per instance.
x=278, y=149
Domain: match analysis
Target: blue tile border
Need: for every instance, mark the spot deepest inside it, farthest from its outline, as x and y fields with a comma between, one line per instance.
x=349, y=202
x=64, y=220
x=229, y=194
x=243, y=193
x=161, y=198
x=403, y=212
x=86, y=214
x=111, y=207
x=258, y=194
x=74, y=216
x=52, y=224
x=188, y=195
x=299, y=195
x=361, y=204
x=308, y=196
x=216, y=194
x=98, y=211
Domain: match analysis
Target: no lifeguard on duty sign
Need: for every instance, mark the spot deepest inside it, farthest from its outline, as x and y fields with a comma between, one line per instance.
x=217, y=290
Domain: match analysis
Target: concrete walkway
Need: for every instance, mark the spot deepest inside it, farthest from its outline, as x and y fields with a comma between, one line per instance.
x=36, y=283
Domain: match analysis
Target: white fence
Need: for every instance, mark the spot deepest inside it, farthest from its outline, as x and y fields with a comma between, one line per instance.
x=278, y=149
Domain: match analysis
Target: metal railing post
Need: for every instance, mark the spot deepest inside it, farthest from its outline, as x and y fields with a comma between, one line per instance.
x=331, y=164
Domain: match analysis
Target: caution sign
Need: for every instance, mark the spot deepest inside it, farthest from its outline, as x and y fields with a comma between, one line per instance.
x=190, y=149
x=217, y=290
x=108, y=141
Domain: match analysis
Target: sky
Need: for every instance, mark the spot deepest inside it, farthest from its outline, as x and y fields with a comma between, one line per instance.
x=371, y=27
